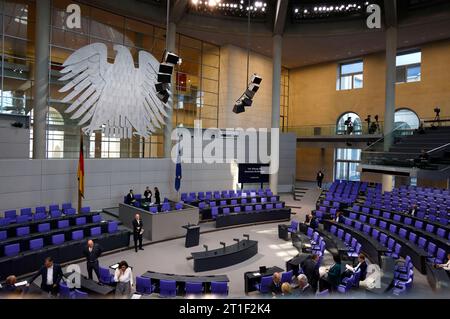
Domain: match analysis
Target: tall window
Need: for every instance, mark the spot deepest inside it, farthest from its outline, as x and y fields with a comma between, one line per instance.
x=408, y=67
x=349, y=123
x=406, y=118
x=346, y=163
x=350, y=75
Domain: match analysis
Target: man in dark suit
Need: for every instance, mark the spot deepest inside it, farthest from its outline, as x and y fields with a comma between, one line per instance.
x=361, y=266
x=275, y=285
x=51, y=275
x=130, y=198
x=138, y=230
x=92, y=252
x=10, y=288
x=311, y=270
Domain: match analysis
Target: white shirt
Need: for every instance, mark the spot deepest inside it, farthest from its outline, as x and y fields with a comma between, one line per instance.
x=446, y=266
x=50, y=276
x=127, y=276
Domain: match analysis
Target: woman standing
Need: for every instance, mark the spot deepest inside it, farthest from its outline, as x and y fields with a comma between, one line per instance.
x=157, y=196
x=124, y=278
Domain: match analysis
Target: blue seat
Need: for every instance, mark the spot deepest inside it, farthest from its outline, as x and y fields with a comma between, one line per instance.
x=179, y=206
x=63, y=223
x=226, y=211
x=22, y=231
x=64, y=291
x=269, y=206
x=55, y=213
x=58, y=239
x=11, y=215
x=77, y=235
x=85, y=210
x=3, y=234
x=105, y=276
x=40, y=209
x=287, y=276
x=36, y=244
x=143, y=285
x=80, y=221
x=167, y=288
x=219, y=288
x=264, y=286
x=113, y=226
x=96, y=218
x=53, y=207
x=293, y=228
x=258, y=207
x=11, y=250
x=383, y=224
x=26, y=212
x=39, y=216
x=66, y=206
x=96, y=231
x=194, y=288
x=23, y=219
x=248, y=208
x=42, y=228
x=237, y=209
x=70, y=211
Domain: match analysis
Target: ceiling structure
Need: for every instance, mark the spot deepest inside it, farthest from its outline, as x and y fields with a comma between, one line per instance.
x=314, y=31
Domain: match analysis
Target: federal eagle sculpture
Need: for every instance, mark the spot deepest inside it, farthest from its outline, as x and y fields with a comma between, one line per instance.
x=116, y=98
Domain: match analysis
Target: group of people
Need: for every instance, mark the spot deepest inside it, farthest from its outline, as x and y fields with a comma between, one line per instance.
x=52, y=274
x=130, y=198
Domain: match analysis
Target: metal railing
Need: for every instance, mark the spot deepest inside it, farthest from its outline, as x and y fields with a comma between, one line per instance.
x=333, y=129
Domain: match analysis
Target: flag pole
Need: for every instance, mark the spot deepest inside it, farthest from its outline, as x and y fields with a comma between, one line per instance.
x=79, y=180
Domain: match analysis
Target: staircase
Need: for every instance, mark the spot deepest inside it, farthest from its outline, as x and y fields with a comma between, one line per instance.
x=299, y=193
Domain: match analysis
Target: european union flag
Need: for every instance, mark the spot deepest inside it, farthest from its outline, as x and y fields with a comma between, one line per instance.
x=178, y=172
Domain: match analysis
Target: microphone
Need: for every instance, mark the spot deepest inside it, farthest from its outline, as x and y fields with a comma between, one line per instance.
x=236, y=240
x=223, y=244
x=206, y=247
x=247, y=236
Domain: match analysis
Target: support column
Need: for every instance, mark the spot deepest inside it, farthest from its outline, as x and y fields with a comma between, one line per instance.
x=170, y=45
x=387, y=183
x=276, y=82
x=41, y=73
x=391, y=54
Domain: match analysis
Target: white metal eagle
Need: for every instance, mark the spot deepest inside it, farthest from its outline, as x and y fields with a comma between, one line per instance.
x=114, y=97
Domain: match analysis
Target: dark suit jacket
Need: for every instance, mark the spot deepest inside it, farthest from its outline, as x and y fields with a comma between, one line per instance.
x=137, y=227
x=275, y=288
x=413, y=211
x=10, y=290
x=57, y=275
x=94, y=255
x=157, y=197
x=363, y=268
x=129, y=199
x=311, y=271
x=308, y=290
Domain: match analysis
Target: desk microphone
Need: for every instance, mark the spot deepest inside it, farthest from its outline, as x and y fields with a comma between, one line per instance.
x=206, y=247
x=236, y=240
x=223, y=244
x=247, y=236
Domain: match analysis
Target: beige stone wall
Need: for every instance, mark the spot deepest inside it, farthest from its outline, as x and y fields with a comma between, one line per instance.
x=233, y=82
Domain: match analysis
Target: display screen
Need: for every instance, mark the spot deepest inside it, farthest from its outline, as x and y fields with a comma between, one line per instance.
x=253, y=173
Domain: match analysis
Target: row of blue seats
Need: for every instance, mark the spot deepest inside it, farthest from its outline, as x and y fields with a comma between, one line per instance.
x=26, y=215
x=262, y=200
x=46, y=227
x=247, y=209
x=58, y=239
x=224, y=194
x=435, y=254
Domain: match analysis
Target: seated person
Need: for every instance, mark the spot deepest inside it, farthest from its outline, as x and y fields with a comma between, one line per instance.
x=10, y=287
x=339, y=218
x=314, y=223
x=332, y=275
x=305, y=288
x=413, y=210
x=286, y=289
x=445, y=266
x=275, y=286
x=130, y=198
x=308, y=219
x=362, y=266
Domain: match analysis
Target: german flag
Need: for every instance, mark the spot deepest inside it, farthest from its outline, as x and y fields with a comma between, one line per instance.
x=80, y=173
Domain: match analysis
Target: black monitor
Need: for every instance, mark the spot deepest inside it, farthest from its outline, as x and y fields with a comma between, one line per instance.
x=262, y=269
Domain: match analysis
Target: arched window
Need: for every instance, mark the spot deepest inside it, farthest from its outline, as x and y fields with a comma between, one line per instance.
x=343, y=128
x=406, y=118
x=55, y=133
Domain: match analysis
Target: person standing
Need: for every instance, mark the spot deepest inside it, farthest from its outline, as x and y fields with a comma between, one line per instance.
x=138, y=230
x=311, y=270
x=157, y=196
x=92, y=252
x=275, y=285
x=51, y=275
x=319, y=179
x=124, y=278
x=148, y=194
